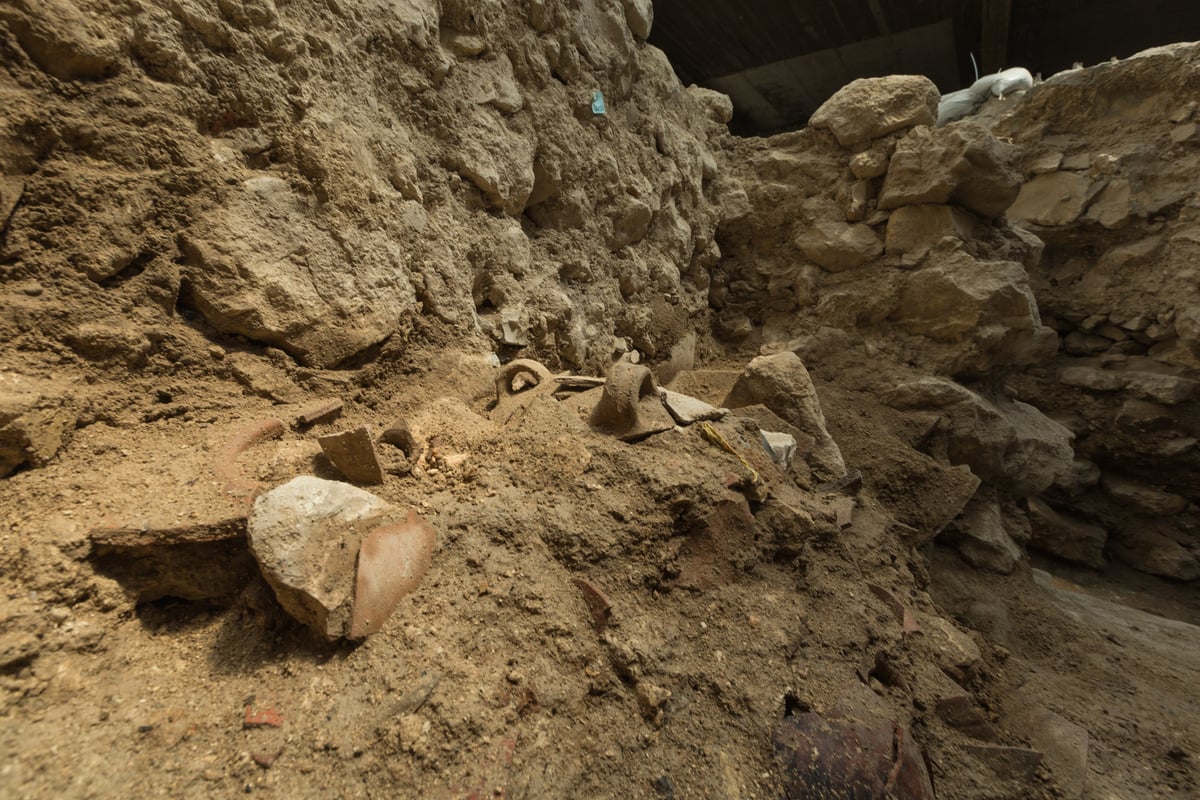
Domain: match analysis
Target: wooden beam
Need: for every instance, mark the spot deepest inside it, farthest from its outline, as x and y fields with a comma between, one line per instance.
x=996, y=17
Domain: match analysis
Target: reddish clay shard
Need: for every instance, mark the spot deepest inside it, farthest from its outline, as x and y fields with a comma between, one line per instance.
x=265, y=718
x=596, y=600
x=849, y=754
x=226, y=469
x=903, y=614
x=391, y=562
x=323, y=412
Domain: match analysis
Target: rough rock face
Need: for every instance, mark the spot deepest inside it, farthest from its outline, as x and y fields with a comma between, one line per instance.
x=962, y=163
x=1113, y=194
x=1068, y=319
x=316, y=179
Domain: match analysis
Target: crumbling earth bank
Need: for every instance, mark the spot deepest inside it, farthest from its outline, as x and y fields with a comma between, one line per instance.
x=243, y=241
x=312, y=176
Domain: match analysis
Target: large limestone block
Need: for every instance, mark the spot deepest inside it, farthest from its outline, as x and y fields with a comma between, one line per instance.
x=836, y=246
x=983, y=540
x=639, y=14
x=960, y=295
x=1011, y=445
x=1056, y=198
x=912, y=231
x=338, y=558
x=963, y=164
x=258, y=265
x=869, y=108
x=782, y=384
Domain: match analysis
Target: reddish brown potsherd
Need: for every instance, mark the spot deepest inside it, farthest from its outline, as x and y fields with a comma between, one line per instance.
x=226, y=468
x=391, y=562
x=353, y=453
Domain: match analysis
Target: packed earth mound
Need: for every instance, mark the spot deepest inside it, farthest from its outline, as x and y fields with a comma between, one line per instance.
x=433, y=399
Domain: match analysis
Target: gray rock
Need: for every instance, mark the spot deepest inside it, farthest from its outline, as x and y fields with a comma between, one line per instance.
x=984, y=542
x=306, y=536
x=688, y=410
x=1064, y=536
x=781, y=447
x=782, y=384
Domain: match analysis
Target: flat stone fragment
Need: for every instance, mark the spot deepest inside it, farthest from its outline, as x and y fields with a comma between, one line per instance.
x=781, y=447
x=353, y=453
x=843, y=510
x=688, y=410
x=960, y=713
x=1013, y=762
x=1064, y=744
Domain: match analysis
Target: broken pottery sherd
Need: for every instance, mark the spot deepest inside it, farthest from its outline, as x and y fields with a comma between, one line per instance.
x=353, y=454
x=851, y=751
x=391, y=562
x=630, y=407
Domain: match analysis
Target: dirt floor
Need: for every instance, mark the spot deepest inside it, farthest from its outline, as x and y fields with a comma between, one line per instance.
x=502, y=675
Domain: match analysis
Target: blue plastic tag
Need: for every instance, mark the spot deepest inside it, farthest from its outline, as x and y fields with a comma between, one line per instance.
x=598, y=103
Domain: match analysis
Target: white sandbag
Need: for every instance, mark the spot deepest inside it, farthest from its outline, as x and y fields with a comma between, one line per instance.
x=965, y=102
x=1017, y=79
x=957, y=105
